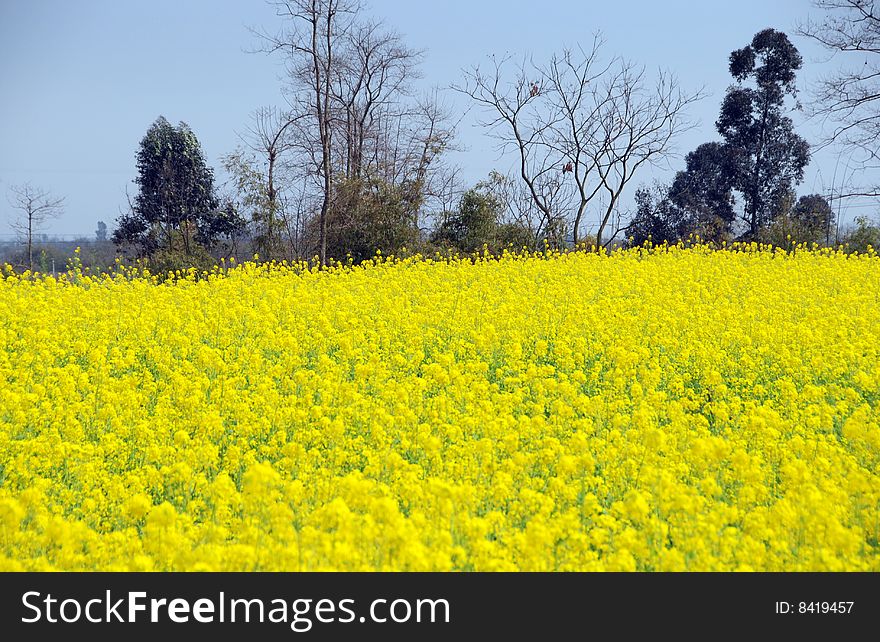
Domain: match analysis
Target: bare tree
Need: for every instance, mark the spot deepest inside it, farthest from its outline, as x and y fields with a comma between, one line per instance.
x=847, y=102
x=410, y=140
x=35, y=206
x=270, y=136
x=520, y=122
x=298, y=207
x=598, y=122
x=374, y=75
x=353, y=122
x=580, y=97
x=313, y=32
x=385, y=131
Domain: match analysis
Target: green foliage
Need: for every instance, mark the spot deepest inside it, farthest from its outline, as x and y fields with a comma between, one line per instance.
x=761, y=158
x=254, y=203
x=814, y=214
x=806, y=221
x=701, y=197
x=167, y=260
x=513, y=236
x=656, y=219
x=44, y=262
x=175, y=199
x=865, y=234
x=474, y=224
x=768, y=156
x=786, y=232
x=477, y=223
x=369, y=215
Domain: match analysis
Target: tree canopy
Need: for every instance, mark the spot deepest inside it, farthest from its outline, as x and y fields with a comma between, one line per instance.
x=176, y=207
x=768, y=156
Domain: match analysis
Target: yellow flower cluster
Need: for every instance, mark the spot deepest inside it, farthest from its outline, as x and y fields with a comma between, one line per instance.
x=667, y=409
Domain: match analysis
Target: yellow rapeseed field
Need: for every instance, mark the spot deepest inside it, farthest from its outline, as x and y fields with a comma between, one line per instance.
x=674, y=409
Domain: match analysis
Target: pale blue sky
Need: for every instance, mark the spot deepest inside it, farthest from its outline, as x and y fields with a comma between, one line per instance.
x=81, y=81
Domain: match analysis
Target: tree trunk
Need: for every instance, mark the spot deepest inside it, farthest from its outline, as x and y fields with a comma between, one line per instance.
x=756, y=175
x=270, y=197
x=577, y=222
x=30, y=242
x=325, y=205
x=322, y=111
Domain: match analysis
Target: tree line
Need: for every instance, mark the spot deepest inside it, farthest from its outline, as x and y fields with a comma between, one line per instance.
x=357, y=159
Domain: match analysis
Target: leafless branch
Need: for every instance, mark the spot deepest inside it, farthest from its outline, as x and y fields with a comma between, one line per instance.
x=35, y=206
x=598, y=121
x=847, y=102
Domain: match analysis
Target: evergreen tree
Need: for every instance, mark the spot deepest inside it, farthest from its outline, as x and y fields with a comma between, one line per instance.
x=175, y=208
x=703, y=193
x=768, y=156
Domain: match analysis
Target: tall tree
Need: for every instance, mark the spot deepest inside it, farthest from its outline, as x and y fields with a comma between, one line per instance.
x=258, y=173
x=581, y=128
x=357, y=130
x=35, y=206
x=770, y=157
x=849, y=99
x=311, y=40
x=371, y=82
x=175, y=207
